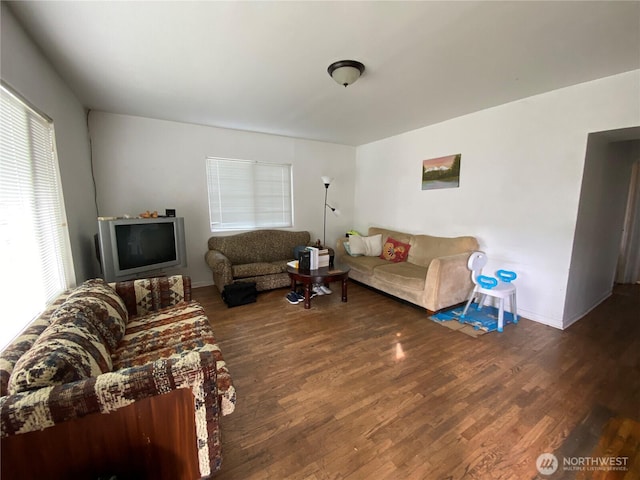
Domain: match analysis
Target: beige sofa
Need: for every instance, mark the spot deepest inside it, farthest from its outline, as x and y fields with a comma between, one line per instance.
x=260, y=256
x=435, y=275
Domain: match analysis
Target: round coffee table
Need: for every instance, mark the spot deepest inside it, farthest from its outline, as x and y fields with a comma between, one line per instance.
x=322, y=275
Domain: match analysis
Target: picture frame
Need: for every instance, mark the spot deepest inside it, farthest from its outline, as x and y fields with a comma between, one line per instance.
x=441, y=172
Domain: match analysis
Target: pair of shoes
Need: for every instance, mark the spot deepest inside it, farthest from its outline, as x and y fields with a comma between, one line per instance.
x=325, y=290
x=317, y=290
x=300, y=296
x=292, y=298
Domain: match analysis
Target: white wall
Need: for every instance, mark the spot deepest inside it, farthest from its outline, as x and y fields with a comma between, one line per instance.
x=144, y=164
x=25, y=69
x=599, y=226
x=521, y=173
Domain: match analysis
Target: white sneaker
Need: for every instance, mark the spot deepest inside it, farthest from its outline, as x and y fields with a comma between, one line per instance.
x=318, y=290
x=325, y=290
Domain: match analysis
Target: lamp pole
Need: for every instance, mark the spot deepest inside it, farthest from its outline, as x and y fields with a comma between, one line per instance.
x=324, y=230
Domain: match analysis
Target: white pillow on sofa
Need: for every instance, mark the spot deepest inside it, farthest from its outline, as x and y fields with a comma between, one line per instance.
x=347, y=248
x=369, y=246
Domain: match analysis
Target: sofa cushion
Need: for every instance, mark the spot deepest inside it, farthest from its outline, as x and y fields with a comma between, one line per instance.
x=71, y=348
x=174, y=331
x=247, y=270
x=368, y=246
x=425, y=248
x=101, y=306
x=407, y=274
x=21, y=344
x=150, y=294
x=395, y=251
x=362, y=264
x=163, y=333
x=400, y=236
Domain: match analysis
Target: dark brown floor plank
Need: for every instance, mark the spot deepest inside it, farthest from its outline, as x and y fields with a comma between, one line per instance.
x=372, y=388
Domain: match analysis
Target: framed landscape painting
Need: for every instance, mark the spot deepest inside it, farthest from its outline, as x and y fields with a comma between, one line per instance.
x=442, y=172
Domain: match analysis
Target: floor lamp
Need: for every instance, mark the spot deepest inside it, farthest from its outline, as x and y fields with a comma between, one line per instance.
x=327, y=182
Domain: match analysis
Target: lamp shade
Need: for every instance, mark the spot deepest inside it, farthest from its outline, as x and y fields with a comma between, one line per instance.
x=345, y=72
x=326, y=180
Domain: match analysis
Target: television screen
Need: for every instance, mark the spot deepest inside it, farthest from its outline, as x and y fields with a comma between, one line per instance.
x=145, y=244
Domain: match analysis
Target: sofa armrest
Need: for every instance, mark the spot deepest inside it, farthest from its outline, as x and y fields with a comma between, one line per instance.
x=45, y=407
x=221, y=267
x=340, y=250
x=448, y=281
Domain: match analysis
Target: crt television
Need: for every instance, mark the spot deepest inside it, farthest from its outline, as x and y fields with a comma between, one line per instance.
x=135, y=247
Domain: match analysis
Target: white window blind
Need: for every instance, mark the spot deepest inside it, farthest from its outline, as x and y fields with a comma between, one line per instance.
x=35, y=253
x=245, y=195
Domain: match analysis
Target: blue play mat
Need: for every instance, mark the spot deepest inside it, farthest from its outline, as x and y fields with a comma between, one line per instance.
x=485, y=319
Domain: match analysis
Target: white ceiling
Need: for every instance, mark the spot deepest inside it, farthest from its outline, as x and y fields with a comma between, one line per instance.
x=262, y=66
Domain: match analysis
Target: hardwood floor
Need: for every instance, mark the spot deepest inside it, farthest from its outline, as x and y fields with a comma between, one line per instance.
x=373, y=389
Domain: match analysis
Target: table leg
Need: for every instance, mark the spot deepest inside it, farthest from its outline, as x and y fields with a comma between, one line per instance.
x=307, y=295
x=344, y=289
x=293, y=285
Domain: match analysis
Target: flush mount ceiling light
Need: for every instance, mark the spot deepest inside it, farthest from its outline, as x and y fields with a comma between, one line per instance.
x=345, y=72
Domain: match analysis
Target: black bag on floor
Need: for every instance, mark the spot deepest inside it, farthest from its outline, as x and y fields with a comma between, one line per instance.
x=239, y=293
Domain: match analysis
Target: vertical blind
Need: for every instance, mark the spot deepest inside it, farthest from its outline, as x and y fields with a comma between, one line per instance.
x=247, y=194
x=35, y=253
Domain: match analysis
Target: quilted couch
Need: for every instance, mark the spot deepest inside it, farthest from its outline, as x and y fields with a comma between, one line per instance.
x=260, y=256
x=121, y=379
x=434, y=275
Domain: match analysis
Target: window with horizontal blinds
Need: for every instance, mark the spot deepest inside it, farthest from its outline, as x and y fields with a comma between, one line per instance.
x=35, y=253
x=245, y=195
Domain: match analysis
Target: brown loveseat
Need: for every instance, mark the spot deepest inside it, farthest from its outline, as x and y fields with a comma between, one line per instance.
x=434, y=276
x=260, y=256
x=120, y=380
